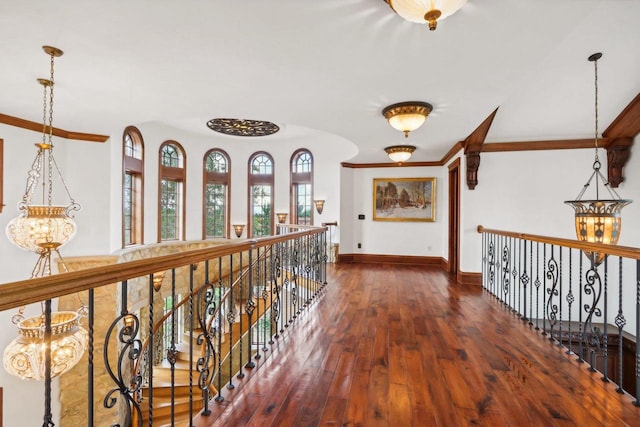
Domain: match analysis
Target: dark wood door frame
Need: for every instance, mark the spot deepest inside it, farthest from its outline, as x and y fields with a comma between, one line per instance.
x=454, y=219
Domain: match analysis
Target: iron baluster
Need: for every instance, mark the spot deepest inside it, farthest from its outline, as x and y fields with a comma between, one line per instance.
x=231, y=319
x=150, y=348
x=48, y=416
x=205, y=311
x=192, y=267
x=131, y=349
x=90, y=381
x=560, y=281
x=581, y=349
x=249, y=306
x=537, y=284
x=172, y=351
x=530, y=287
x=221, y=319
x=637, y=401
x=552, y=308
x=515, y=290
x=544, y=288
x=570, y=298
x=524, y=278
x=605, y=337
x=620, y=323
x=592, y=333
x=506, y=273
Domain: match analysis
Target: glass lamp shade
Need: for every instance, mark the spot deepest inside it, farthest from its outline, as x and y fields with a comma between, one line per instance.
x=407, y=116
x=238, y=228
x=598, y=221
x=407, y=122
x=400, y=153
x=25, y=356
x=41, y=225
x=415, y=10
x=282, y=218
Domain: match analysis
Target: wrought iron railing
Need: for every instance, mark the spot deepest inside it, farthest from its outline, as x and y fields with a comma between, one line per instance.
x=591, y=309
x=238, y=285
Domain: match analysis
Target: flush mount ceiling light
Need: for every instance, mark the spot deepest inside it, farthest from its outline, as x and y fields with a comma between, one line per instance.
x=407, y=116
x=400, y=153
x=598, y=220
x=242, y=127
x=425, y=11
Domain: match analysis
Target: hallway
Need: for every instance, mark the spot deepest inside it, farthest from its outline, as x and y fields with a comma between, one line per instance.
x=405, y=346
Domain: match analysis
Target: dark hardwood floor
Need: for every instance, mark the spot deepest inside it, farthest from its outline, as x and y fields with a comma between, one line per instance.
x=405, y=346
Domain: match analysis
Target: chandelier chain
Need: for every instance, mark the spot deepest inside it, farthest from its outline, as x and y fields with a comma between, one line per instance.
x=595, y=64
x=50, y=137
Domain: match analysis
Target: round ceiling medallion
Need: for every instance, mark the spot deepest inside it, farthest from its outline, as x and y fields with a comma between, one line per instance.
x=243, y=127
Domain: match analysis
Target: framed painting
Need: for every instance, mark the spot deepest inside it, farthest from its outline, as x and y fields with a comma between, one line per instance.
x=404, y=199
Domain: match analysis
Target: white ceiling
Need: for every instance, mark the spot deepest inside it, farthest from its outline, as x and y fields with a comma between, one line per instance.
x=328, y=65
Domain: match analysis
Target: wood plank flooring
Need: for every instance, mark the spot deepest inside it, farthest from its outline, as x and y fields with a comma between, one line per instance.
x=405, y=346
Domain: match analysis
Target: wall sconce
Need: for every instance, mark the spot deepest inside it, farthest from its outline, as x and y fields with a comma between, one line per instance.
x=157, y=280
x=319, y=206
x=238, y=228
x=282, y=218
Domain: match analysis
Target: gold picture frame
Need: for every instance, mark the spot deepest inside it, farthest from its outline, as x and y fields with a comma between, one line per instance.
x=404, y=199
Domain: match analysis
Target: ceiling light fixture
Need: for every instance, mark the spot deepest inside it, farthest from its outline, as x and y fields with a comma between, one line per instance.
x=51, y=343
x=425, y=11
x=407, y=116
x=598, y=220
x=400, y=153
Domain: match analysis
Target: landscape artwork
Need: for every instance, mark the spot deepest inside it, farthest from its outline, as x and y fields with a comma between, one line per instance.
x=404, y=199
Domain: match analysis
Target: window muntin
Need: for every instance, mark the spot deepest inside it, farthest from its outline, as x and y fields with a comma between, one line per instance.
x=171, y=194
x=132, y=187
x=216, y=194
x=301, y=210
x=260, y=195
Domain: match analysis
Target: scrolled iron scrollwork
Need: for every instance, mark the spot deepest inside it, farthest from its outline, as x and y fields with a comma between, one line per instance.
x=552, y=307
x=506, y=277
x=205, y=312
x=131, y=350
x=492, y=264
x=593, y=287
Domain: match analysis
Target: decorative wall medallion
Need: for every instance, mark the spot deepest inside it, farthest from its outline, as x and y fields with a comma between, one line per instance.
x=243, y=127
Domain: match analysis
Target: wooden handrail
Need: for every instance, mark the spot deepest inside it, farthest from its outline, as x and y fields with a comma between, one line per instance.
x=622, y=251
x=23, y=292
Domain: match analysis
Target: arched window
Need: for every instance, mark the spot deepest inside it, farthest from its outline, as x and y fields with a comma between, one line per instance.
x=172, y=174
x=217, y=169
x=260, y=195
x=302, y=187
x=132, y=187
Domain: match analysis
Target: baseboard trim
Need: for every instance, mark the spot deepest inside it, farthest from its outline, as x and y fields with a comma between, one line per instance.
x=391, y=259
x=469, y=278
x=474, y=279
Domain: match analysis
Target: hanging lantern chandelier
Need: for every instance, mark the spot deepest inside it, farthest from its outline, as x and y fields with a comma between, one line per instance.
x=598, y=220
x=48, y=344
x=42, y=225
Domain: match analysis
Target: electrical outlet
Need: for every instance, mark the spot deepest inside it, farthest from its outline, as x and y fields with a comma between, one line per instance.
x=359, y=245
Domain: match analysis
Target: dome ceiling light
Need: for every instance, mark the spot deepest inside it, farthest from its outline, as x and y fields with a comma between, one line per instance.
x=242, y=127
x=407, y=116
x=425, y=11
x=400, y=153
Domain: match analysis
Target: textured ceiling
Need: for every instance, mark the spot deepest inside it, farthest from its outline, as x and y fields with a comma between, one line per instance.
x=329, y=65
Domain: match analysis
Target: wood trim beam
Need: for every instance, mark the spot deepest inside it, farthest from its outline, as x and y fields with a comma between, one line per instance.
x=473, y=146
x=37, y=127
x=452, y=152
x=555, y=144
x=389, y=165
x=627, y=124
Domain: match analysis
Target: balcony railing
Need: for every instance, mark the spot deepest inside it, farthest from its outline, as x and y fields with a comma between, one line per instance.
x=164, y=350
x=586, y=304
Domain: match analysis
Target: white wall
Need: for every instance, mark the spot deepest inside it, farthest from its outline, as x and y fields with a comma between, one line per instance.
x=383, y=237
x=525, y=192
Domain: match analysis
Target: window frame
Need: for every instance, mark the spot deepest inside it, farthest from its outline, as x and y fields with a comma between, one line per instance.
x=133, y=166
x=296, y=178
x=259, y=179
x=223, y=178
x=177, y=174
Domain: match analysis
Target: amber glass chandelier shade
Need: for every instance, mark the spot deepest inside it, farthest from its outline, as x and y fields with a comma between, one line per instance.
x=282, y=218
x=319, y=206
x=25, y=356
x=426, y=11
x=598, y=221
x=40, y=226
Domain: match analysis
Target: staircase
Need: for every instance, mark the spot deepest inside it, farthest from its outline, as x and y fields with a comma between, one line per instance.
x=162, y=376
